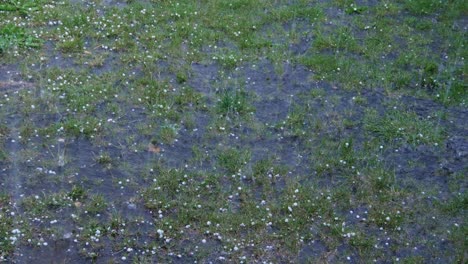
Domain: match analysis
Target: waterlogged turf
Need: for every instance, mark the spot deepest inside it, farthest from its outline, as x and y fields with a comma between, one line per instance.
x=233, y=131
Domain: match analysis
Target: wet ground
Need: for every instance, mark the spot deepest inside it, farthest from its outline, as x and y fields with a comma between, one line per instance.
x=108, y=158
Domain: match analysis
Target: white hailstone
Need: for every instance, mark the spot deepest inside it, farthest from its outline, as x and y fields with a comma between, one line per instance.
x=160, y=232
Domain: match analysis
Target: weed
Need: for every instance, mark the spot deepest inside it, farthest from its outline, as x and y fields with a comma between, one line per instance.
x=95, y=204
x=181, y=77
x=168, y=133
x=104, y=159
x=4, y=132
x=3, y=155
x=77, y=193
x=233, y=103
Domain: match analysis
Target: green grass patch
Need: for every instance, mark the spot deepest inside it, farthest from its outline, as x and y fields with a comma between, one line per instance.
x=7, y=242
x=14, y=36
x=23, y=7
x=400, y=126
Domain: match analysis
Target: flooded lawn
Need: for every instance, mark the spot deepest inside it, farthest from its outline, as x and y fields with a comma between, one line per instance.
x=224, y=131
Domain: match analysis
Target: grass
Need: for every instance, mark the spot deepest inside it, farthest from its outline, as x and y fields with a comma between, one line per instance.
x=7, y=242
x=24, y=7
x=405, y=126
x=14, y=36
x=232, y=103
x=241, y=131
x=233, y=160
